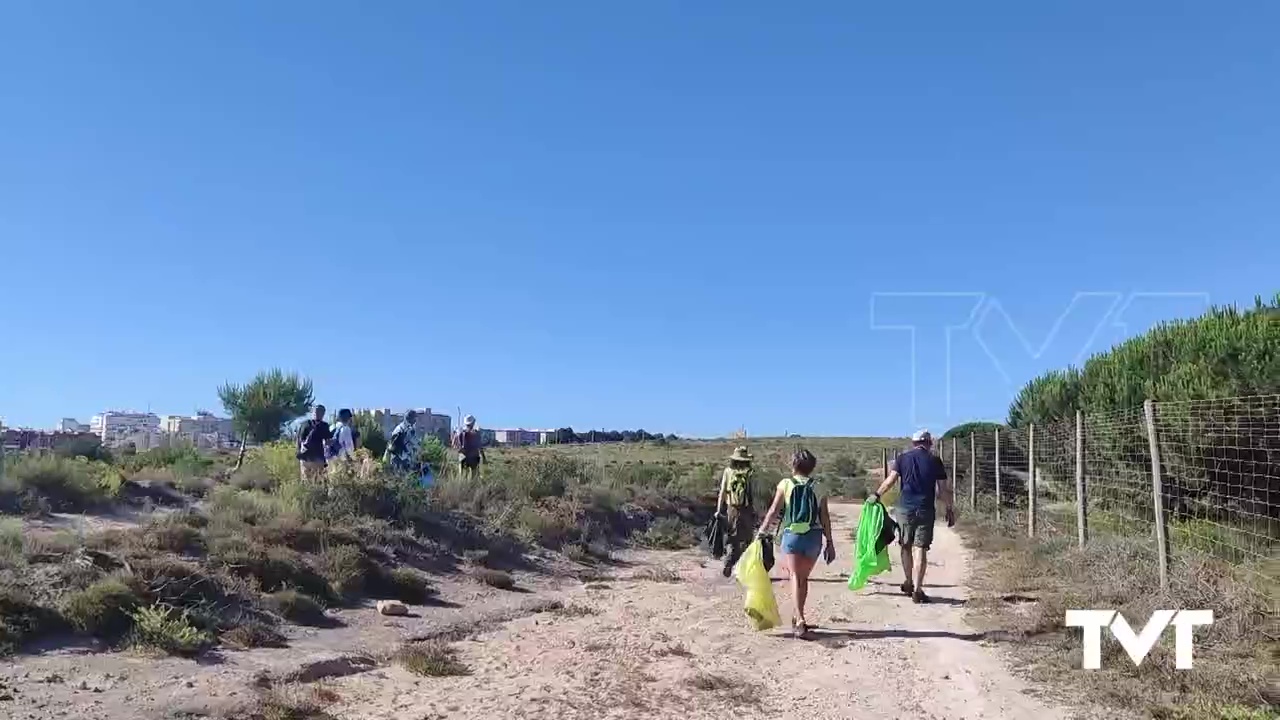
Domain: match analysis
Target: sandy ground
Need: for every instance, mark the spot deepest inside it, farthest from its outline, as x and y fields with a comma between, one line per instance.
x=634, y=645
x=657, y=649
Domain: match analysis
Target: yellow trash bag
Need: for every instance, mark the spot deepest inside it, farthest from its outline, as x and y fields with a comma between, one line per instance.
x=761, y=608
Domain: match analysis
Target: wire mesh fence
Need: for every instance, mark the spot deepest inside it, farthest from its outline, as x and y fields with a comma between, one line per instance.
x=1183, y=478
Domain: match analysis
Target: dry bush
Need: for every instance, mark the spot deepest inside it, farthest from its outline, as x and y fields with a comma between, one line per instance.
x=345, y=567
x=430, y=659
x=494, y=578
x=1024, y=588
x=668, y=533
x=297, y=607
x=273, y=567
x=733, y=689
x=657, y=574
x=253, y=634
x=574, y=610
x=22, y=620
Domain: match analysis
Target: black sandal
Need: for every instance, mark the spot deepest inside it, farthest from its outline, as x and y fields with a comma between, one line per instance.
x=906, y=588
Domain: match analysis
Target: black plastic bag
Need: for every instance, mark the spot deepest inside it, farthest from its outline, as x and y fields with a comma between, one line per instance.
x=766, y=550
x=714, y=537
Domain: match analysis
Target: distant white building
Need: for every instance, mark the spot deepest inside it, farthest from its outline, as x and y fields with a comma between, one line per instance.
x=521, y=436
x=428, y=423
x=117, y=428
x=203, y=429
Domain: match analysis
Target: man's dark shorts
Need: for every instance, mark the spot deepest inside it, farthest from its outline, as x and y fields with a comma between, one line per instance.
x=916, y=528
x=469, y=463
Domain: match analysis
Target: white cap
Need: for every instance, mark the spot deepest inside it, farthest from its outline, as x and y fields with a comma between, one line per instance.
x=469, y=420
x=921, y=435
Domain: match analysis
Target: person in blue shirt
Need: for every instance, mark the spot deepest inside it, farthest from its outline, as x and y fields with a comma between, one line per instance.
x=924, y=482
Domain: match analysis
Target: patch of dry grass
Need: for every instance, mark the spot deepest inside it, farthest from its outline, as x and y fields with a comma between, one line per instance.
x=494, y=578
x=574, y=610
x=1024, y=587
x=736, y=690
x=430, y=659
x=657, y=574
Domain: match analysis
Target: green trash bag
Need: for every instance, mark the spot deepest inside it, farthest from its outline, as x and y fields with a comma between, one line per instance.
x=760, y=606
x=870, y=547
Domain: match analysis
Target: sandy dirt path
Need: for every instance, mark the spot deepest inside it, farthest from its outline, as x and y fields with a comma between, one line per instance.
x=649, y=648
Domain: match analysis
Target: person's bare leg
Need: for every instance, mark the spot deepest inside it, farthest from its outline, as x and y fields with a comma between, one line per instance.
x=801, y=567
x=906, y=564
x=922, y=563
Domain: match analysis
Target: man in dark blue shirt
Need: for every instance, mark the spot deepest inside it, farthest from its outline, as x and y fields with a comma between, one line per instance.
x=924, y=480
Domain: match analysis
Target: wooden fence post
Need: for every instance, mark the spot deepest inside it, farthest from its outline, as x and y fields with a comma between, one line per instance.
x=1157, y=494
x=973, y=472
x=1031, y=480
x=1082, y=505
x=997, y=475
x=955, y=468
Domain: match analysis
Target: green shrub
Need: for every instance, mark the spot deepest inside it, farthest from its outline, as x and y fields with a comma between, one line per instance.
x=61, y=484
x=244, y=506
x=278, y=461
x=297, y=607
x=104, y=609
x=167, y=458
x=11, y=544
x=252, y=476
x=168, y=630
x=345, y=567
x=433, y=453
x=403, y=584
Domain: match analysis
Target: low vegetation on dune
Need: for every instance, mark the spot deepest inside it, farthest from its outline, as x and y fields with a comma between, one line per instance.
x=228, y=555
x=1024, y=586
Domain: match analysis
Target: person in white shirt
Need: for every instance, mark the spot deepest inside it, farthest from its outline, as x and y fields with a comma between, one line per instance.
x=343, y=444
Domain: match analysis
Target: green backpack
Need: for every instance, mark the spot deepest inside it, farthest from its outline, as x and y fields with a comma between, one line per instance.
x=738, y=489
x=801, y=514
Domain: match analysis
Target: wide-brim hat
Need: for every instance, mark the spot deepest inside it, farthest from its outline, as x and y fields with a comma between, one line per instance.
x=740, y=454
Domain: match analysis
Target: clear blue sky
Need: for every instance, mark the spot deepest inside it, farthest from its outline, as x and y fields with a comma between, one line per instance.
x=666, y=215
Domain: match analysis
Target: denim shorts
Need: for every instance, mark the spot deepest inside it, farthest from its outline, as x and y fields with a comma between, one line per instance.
x=808, y=544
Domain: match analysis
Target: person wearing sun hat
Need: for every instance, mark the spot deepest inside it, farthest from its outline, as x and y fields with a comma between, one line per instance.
x=737, y=506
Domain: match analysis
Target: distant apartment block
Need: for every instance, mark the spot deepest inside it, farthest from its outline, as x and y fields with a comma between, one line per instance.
x=72, y=425
x=26, y=439
x=117, y=428
x=203, y=429
x=427, y=422
x=521, y=436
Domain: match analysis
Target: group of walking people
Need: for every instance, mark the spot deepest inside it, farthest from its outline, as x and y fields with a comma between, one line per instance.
x=321, y=446
x=804, y=519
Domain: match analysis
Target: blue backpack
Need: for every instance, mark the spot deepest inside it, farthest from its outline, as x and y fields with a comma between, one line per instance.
x=334, y=445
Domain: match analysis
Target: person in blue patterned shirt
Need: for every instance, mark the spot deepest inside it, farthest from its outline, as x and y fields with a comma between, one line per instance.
x=402, y=449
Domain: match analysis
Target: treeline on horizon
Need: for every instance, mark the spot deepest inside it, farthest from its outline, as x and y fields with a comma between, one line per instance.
x=568, y=436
